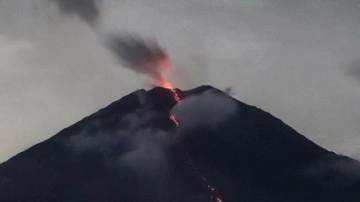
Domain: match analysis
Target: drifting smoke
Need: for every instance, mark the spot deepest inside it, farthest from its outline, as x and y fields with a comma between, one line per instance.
x=87, y=10
x=142, y=56
x=344, y=172
x=143, y=147
x=135, y=147
x=133, y=52
x=229, y=90
x=198, y=110
x=354, y=70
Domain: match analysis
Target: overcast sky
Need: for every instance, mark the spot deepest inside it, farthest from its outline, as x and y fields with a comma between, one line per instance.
x=297, y=59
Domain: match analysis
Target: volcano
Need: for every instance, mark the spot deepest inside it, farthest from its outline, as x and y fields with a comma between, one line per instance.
x=214, y=148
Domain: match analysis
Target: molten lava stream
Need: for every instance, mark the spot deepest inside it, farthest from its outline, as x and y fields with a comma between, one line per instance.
x=173, y=119
x=214, y=194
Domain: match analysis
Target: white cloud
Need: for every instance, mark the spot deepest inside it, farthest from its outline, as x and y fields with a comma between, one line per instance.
x=142, y=145
x=207, y=109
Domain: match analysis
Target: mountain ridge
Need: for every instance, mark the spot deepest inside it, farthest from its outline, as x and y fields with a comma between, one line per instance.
x=130, y=150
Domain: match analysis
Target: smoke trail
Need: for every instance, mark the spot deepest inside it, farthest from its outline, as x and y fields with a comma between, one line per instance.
x=87, y=10
x=354, y=69
x=142, y=56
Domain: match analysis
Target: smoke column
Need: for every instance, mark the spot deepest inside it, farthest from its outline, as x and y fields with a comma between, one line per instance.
x=87, y=10
x=142, y=56
x=133, y=52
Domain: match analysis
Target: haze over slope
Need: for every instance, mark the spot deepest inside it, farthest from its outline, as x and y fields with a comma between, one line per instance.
x=297, y=59
x=132, y=151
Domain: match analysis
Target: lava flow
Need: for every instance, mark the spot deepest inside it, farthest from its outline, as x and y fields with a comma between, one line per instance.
x=162, y=63
x=152, y=60
x=214, y=195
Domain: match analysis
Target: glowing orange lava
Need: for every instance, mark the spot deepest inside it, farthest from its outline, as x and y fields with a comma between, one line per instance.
x=164, y=64
x=166, y=84
x=214, y=195
x=173, y=119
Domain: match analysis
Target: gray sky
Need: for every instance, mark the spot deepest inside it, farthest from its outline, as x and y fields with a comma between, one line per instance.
x=297, y=59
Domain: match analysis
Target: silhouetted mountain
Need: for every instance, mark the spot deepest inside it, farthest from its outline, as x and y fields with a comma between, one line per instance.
x=131, y=151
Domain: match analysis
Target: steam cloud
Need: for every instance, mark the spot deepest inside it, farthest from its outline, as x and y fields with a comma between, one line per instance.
x=142, y=146
x=134, y=146
x=344, y=172
x=198, y=110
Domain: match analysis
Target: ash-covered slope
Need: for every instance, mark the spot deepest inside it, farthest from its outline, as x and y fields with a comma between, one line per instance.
x=132, y=151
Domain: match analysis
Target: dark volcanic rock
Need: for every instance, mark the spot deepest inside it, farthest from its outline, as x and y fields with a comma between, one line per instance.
x=132, y=151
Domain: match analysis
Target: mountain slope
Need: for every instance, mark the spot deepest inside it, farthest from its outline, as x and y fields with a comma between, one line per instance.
x=132, y=151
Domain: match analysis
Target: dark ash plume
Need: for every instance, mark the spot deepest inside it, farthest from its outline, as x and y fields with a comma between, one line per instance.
x=143, y=56
x=229, y=91
x=87, y=10
x=139, y=55
x=354, y=69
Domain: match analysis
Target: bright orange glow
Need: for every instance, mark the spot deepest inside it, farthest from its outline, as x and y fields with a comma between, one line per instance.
x=165, y=84
x=164, y=64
